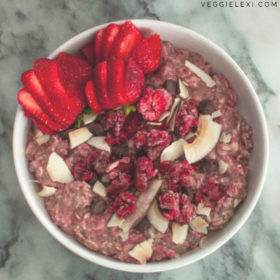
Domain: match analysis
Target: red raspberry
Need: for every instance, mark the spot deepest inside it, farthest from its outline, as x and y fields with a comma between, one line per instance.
x=98, y=160
x=123, y=205
x=177, y=206
x=210, y=193
x=119, y=184
x=153, y=141
x=154, y=103
x=187, y=118
x=115, y=121
x=165, y=166
x=81, y=172
x=143, y=172
x=132, y=123
x=188, y=211
x=169, y=203
x=120, y=127
x=178, y=174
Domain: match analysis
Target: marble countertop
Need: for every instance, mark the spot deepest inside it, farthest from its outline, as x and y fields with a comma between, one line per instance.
x=32, y=28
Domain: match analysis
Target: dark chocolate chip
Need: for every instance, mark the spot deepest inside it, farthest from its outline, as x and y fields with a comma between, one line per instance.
x=64, y=134
x=98, y=206
x=143, y=225
x=207, y=165
x=119, y=150
x=206, y=107
x=171, y=86
x=96, y=129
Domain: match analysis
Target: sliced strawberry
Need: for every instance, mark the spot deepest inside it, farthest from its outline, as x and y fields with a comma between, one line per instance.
x=148, y=53
x=87, y=51
x=91, y=97
x=128, y=37
x=33, y=86
x=134, y=81
x=110, y=34
x=115, y=79
x=46, y=71
x=74, y=72
x=39, y=124
x=97, y=43
x=30, y=106
x=100, y=81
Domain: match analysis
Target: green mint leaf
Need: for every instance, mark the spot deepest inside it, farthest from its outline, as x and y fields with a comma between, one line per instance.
x=87, y=111
x=129, y=108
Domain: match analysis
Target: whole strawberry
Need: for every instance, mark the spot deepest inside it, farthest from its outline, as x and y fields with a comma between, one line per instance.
x=148, y=53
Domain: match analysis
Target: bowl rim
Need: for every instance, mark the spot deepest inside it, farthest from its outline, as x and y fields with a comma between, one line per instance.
x=149, y=267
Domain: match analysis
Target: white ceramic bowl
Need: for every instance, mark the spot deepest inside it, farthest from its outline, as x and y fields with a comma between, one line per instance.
x=249, y=106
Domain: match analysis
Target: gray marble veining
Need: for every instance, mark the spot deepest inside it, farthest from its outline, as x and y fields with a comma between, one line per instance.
x=33, y=28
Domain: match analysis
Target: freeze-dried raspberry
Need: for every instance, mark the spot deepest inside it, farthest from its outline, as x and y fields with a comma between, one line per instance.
x=177, y=206
x=169, y=203
x=98, y=160
x=153, y=141
x=123, y=205
x=114, y=122
x=121, y=128
x=120, y=166
x=143, y=172
x=81, y=172
x=165, y=166
x=178, y=174
x=132, y=123
x=186, y=118
x=153, y=103
x=210, y=193
x=119, y=184
x=187, y=210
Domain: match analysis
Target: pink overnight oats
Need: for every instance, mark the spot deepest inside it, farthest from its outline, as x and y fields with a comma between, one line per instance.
x=149, y=181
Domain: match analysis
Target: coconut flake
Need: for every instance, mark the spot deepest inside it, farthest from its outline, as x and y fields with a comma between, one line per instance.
x=37, y=133
x=179, y=233
x=173, y=108
x=216, y=114
x=163, y=116
x=199, y=224
x=184, y=93
x=123, y=235
x=222, y=166
x=79, y=136
x=142, y=205
x=46, y=191
x=154, y=123
x=58, y=169
x=142, y=251
x=89, y=118
x=202, y=242
x=208, y=136
x=43, y=139
x=225, y=138
x=156, y=218
x=99, y=143
x=201, y=210
x=115, y=221
x=173, y=151
x=100, y=189
x=236, y=202
x=200, y=73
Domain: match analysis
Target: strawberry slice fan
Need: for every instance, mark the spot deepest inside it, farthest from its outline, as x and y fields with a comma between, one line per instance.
x=120, y=57
x=53, y=94
x=57, y=90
